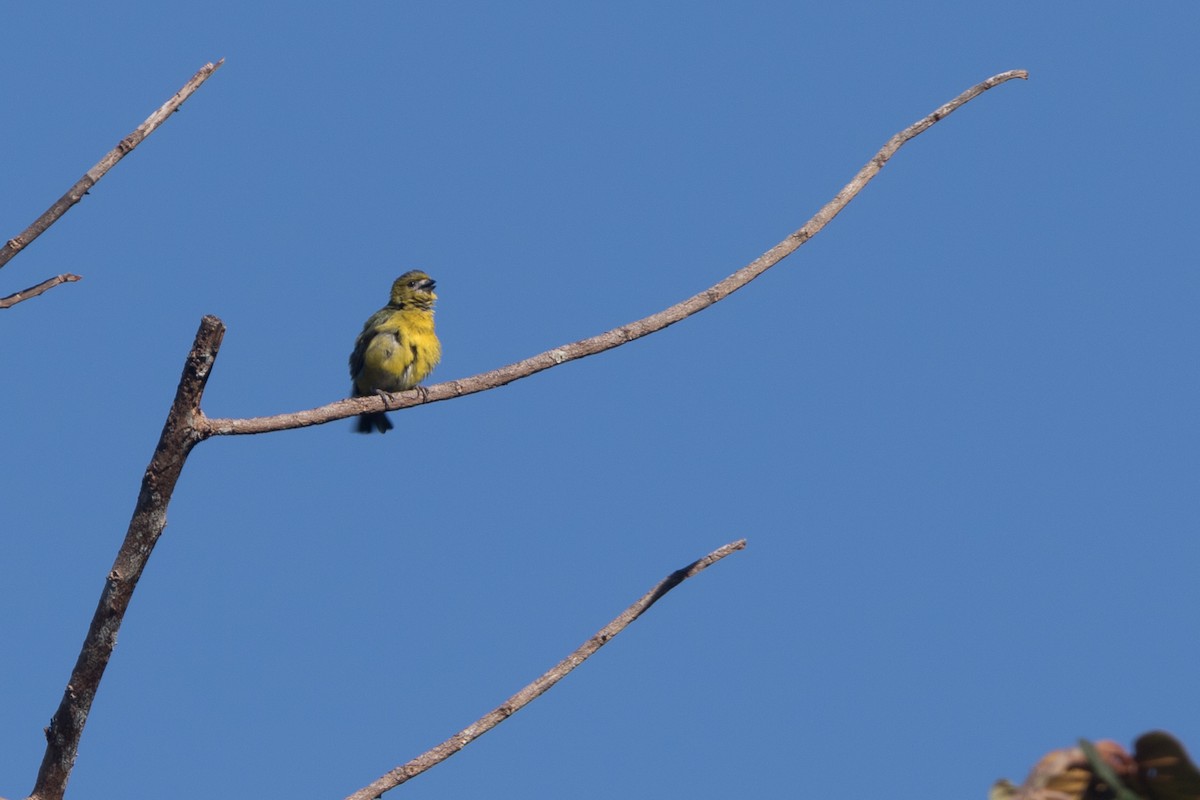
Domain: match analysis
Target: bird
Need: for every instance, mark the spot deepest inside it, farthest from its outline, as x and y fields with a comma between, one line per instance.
x=397, y=348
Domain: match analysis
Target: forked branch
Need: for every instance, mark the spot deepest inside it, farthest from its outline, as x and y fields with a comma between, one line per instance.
x=149, y=518
x=431, y=758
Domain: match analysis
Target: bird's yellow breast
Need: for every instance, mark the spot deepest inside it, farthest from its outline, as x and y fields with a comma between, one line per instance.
x=400, y=351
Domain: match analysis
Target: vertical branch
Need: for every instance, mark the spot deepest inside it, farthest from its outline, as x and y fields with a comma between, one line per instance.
x=179, y=436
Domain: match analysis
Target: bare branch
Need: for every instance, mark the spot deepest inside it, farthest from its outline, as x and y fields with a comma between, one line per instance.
x=179, y=436
x=186, y=426
x=512, y=705
x=34, y=291
x=76, y=192
x=149, y=517
x=618, y=336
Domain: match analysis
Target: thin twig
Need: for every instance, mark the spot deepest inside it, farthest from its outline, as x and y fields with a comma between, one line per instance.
x=618, y=336
x=76, y=192
x=512, y=705
x=34, y=291
x=149, y=518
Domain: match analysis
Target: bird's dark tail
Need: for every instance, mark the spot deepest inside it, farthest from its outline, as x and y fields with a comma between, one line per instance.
x=377, y=421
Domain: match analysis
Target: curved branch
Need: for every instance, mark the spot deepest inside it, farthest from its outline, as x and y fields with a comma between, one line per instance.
x=512, y=705
x=34, y=291
x=178, y=438
x=76, y=192
x=618, y=336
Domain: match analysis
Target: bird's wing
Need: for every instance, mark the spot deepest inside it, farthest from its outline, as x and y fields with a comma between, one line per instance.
x=359, y=356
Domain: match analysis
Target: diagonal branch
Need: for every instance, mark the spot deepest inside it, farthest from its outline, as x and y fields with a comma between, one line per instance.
x=178, y=438
x=76, y=192
x=431, y=758
x=34, y=291
x=618, y=336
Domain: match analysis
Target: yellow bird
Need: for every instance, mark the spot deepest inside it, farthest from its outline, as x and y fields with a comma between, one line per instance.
x=397, y=348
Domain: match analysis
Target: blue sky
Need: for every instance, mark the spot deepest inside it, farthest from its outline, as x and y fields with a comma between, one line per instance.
x=958, y=428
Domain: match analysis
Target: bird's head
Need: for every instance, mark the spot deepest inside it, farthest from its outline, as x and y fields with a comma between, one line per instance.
x=414, y=289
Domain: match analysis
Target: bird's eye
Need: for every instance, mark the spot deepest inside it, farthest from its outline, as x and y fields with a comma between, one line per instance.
x=412, y=284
